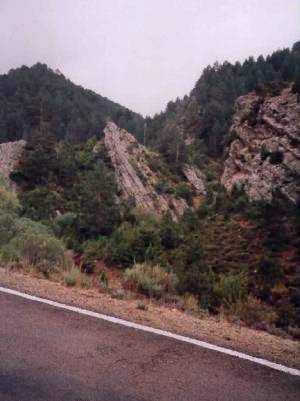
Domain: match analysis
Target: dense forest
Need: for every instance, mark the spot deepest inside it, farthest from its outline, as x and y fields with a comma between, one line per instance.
x=206, y=114
x=77, y=114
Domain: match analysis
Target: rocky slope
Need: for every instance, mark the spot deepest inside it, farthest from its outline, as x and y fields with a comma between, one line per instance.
x=10, y=153
x=140, y=179
x=264, y=157
x=139, y=172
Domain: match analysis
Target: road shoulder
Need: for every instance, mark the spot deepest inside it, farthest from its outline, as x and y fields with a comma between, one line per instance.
x=214, y=330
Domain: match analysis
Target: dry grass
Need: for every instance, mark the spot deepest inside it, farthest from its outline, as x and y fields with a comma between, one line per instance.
x=74, y=277
x=216, y=330
x=149, y=280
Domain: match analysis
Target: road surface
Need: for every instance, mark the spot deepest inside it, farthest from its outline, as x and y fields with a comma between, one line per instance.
x=50, y=354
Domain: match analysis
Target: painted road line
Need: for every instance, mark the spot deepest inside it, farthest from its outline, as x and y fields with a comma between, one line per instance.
x=149, y=329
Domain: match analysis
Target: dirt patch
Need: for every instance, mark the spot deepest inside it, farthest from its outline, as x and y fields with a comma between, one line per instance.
x=215, y=330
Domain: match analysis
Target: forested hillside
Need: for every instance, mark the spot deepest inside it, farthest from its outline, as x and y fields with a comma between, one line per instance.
x=204, y=117
x=230, y=243
x=77, y=114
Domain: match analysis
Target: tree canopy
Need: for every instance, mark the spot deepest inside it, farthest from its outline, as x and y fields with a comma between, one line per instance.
x=77, y=113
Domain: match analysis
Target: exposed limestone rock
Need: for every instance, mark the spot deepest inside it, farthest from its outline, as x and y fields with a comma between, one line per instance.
x=10, y=153
x=264, y=157
x=196, y=178
x=134, y=175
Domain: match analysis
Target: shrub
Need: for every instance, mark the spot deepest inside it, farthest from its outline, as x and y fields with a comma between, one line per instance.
x=134, y=243
x=8, y=201
x=103, y=279
x=33, y=244
x=142, y=307
x=7, y=227
x=64, y=223
x=40, y=203
x=153, y=281
x=240, y=203
x=268, y=274
x=231, y=289
x=94, y=248
x=160, y=186
x=72, y=277
x=185, y=192
x=252, y=312
x=169, y=233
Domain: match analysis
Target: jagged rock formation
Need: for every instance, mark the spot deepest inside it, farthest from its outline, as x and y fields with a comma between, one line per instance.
x=264, y=157
x=137, y=180
x=196, y=178
x=10, y=153
x=133, y=173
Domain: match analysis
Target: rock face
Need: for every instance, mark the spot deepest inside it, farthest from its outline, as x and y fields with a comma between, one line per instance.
x=196, y=178
x=264, y=157
x=10, y=153
x=136, y=176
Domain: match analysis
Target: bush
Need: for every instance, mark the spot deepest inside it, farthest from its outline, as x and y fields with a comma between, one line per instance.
x=103, y=280
x=40, y=203
x=8, y=201
x=33, y=244
x=134, y=243
x=7, y=227
x=94, y=248
x=153, y=281
x=253, y=312
x=185, y=192
x=268, y=274
x=231, y=289
x=64, y=223
x=73, y=277
x=169, y=233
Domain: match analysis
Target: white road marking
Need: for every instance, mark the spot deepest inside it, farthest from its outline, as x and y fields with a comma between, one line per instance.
x=148, y=329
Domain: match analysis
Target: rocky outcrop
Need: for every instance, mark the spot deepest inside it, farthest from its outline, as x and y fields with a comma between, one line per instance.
x=196, y=178
x=137, y=177
x=134, y=176
x=264, y=156
x=10, y=153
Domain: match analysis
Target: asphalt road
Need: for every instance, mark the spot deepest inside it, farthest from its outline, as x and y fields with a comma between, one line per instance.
x=48, y=354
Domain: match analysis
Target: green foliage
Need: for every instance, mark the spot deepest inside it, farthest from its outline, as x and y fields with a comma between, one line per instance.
x=73, y=277
x=25, y=241
x=208, y=110
x=153, y=281
x=231, y=289
x=32, y=244
x=169, y=233
x=77, y=195
x=65, y=227
x=184, y=191
x=78, y=114
x=268, y=274
x=40, y=203
x=9, y=202
x=94, y=248
x=98, y=211
x=64, y=223
x=137, y=243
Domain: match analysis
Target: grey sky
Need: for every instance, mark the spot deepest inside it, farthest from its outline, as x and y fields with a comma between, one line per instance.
x=141, y=53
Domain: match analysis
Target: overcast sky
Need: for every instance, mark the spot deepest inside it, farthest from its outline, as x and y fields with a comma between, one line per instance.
x=141, y=53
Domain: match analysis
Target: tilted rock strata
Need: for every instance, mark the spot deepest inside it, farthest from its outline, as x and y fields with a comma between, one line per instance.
x=196, y=178
x=134, y=176
x=264, y=157
x=10, y=153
